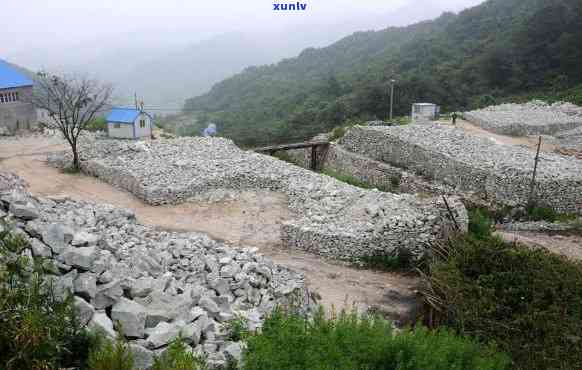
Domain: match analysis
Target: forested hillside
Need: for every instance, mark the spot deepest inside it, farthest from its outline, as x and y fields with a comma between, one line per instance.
x=497, y=49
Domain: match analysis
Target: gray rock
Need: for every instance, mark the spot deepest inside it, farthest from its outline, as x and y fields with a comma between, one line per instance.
x=86, y=285
x=131, y=316
x=83, y=238
x=209, y=306
x=142, y=357
x=233, y=351
x=192, y=333
x=162, y=334
x=82, y=258
x=84, y=310
x=142, y=287
x=107, y=295
x=25, y=211
x=39, y=249
x=100, y=322
x=57, y=237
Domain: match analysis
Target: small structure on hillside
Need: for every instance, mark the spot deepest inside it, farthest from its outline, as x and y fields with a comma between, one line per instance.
x=16, y=109
x=129, y=123
x=424, y=112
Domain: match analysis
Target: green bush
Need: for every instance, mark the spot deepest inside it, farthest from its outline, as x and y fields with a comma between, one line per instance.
x=97, y=124
x=541, y=213
x=177, y=357
x=111, y=356
x=480, y=223
x=529, y=302
x=400, y=260
x=37, y=329
x=350, y=341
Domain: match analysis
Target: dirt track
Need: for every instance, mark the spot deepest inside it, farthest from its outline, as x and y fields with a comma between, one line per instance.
x=251, y=220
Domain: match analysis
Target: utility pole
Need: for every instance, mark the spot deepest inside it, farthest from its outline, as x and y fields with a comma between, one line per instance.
x=392, y=82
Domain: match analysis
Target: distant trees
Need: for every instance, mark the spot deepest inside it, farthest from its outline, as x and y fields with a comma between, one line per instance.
x=72, y=104
x=499, y=49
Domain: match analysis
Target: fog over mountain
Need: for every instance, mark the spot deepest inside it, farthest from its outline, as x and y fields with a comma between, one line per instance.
x=169, y=51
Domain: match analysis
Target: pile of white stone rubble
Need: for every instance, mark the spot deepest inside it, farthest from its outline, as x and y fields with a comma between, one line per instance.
x=501, y=174
x=533, y=118
x=157, y=285
x=330, y=217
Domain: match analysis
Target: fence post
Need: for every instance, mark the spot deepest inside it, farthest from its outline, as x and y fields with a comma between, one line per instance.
x=532, y=185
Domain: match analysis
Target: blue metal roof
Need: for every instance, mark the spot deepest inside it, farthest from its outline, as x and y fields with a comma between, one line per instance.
x=11, y=78
x=123, y=115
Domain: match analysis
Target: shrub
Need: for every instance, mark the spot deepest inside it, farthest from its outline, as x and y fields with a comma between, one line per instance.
x=97, y=124
x=111, y=356
x=177, y=357
x=541, y=213
x=400, y=260
x=528, y=301
x=350, y=341
x=237, y=329
x=37, y=329
x=480, y=223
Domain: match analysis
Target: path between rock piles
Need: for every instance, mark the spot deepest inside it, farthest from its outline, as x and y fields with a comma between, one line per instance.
x=251, y=220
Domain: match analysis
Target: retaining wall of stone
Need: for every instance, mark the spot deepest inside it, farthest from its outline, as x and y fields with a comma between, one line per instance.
x=498, y=173
x=331, y=218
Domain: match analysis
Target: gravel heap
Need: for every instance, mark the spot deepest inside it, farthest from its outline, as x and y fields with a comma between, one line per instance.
x=571, y=139
x=499, y=173
x=155, y=284
x=533, y=118
x=331, y=218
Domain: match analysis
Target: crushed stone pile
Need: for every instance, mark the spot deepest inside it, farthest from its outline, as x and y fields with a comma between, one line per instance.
x=331, y=218
x=499, y=173
x=533, y=118
x=157, y=285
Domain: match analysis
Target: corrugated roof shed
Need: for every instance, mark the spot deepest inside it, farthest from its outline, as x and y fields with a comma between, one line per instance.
x=123, y=115
x=11, y=78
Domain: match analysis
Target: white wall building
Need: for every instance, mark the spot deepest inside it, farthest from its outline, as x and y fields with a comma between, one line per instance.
x=129, y=123
x=423, y=112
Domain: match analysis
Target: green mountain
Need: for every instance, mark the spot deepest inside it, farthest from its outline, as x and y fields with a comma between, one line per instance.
x=499, y=48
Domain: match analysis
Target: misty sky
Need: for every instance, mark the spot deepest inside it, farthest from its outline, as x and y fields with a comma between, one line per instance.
x=35, y=32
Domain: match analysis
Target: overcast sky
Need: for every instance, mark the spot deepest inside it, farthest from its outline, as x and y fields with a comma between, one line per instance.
x=41, y=27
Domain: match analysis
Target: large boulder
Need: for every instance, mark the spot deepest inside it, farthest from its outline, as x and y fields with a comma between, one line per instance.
x=101, y=322
x=86, y=285
x=131, y=316
x=81, y=258
x=84, y=311
x=162, y=334
x=57, y=237
x=107, y=295
x=24, y=210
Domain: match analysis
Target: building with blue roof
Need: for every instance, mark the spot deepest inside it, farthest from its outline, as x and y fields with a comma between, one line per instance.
x=16, y=109
x=129, y=123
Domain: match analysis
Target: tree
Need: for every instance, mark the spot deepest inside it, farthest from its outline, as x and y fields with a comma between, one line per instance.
x=72, y=103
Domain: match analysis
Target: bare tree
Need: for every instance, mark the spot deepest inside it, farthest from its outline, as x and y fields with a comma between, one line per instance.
x=72, y=103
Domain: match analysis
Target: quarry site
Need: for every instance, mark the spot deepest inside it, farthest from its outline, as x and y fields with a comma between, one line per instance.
x=180, y=236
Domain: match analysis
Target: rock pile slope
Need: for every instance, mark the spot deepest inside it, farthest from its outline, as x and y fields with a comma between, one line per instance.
x=533, y=118
x=331, y=218
x=497, y=173
x=156, y=284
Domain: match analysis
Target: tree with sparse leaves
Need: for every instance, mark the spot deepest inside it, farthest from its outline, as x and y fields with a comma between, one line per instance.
x=72, y=104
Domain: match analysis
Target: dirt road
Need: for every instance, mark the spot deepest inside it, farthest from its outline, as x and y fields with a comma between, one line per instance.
x=251, y=220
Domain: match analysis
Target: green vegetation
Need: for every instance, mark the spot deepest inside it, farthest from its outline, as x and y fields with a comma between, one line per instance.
x=399, y=260
x=37, y=329
x=499, y=49
x=529, y=302
x=480, y=223
x=354, y=181
x=177, y=357
x=97, y=124
x=111, y=355
x=350, y=341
